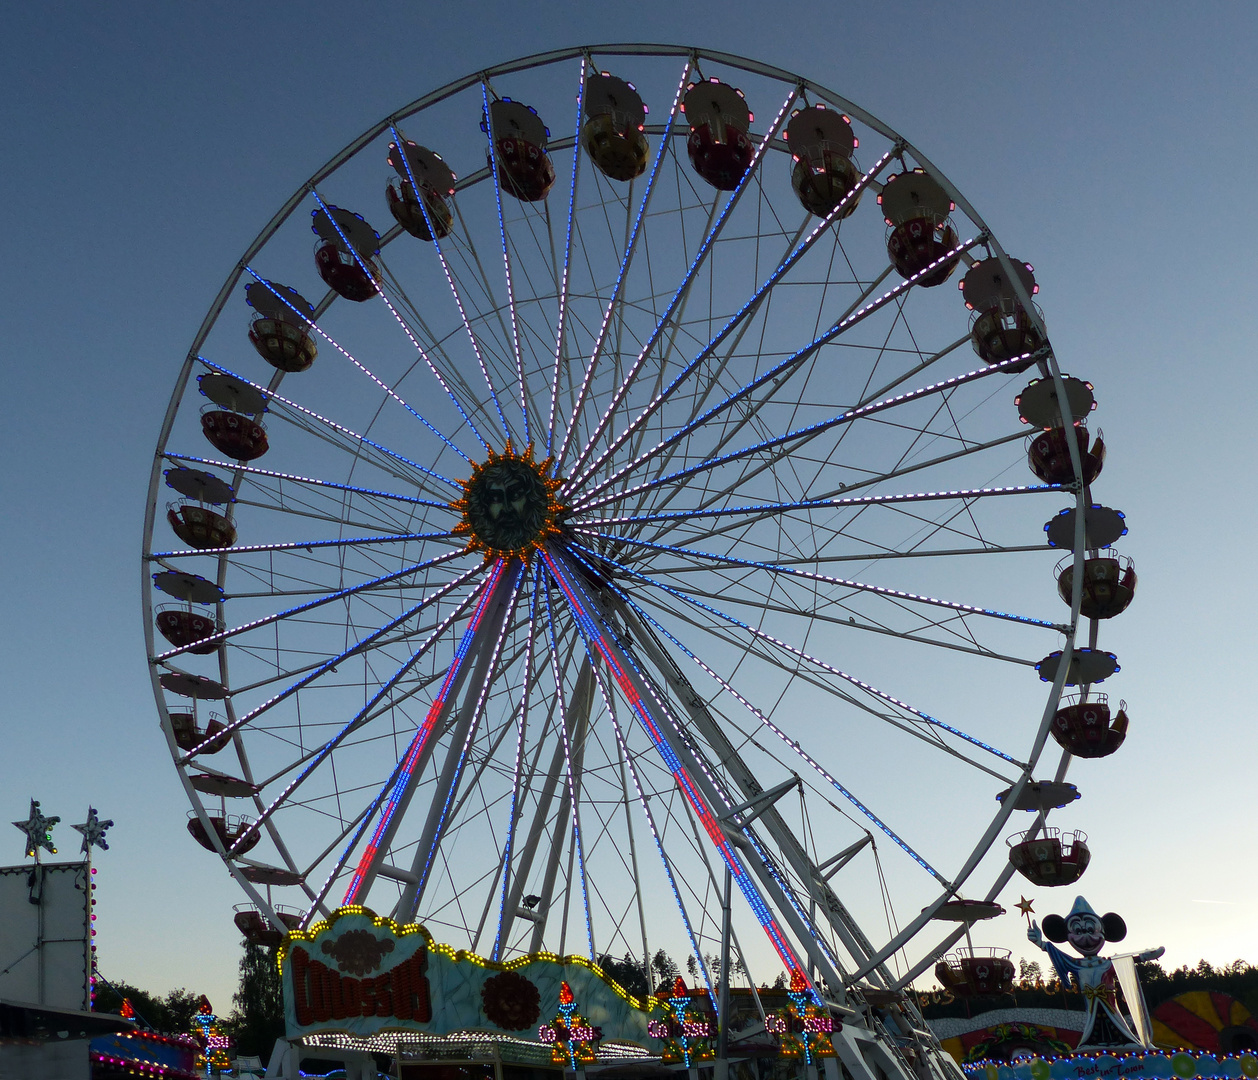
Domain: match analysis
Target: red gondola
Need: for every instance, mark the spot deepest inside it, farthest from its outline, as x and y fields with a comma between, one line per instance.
x=719, y=147
x=1085, y=728
x=1051, y=858
x=1048, y=454
x=228, y=828
x=917, y=207
x=519, y=150
x=1109, y=584
x=345, y=252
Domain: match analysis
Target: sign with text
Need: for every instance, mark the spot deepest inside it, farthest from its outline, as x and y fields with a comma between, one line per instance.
x=360, y=973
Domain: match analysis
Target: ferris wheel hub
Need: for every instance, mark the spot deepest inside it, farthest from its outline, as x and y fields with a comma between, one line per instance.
x=508, y=506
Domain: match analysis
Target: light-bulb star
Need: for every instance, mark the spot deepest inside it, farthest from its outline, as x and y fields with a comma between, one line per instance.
x=38, y=829
x=93, y=830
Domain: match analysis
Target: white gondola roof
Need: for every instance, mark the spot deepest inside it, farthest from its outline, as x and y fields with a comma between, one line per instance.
x=910, y=195
x=606, y=94
x=426, y=167
x=813, y=129
x=708, y=101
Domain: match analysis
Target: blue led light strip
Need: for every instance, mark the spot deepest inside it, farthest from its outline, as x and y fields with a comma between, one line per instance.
x=517, y=568
x=783, y=267
x=597, y=352
x=271, y=396
x=769, y=863
x=237, y=466
x=567, y=253
x=838, y=501
x=708, y=242
x=399, y=142
x=506, y=258
x=684, y=781
x=420, y=739
x=574, y=795
x=521, y=730
x=808, y=432
x=809, y=575
x=344, y=352
x=926, y=717
x=340, y=594
x=458, y=300
x=325, y=667
x=361, y=716
x=866, y=687
x=307, y=545
x=791, y=362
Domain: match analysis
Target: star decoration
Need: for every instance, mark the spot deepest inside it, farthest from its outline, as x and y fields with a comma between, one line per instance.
x=1024, y=906
x=93, y=830
x=38, y=829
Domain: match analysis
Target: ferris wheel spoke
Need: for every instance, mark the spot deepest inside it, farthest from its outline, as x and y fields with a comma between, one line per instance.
x=300, y=609
x=310, y=545
x=774, y=379
x=625, y=263
x=533, y=845
x=462, y=737
x=560, y=327
x=777, y=375
x=573, y=763
x=867, y=625
x=807, y=575
x=379, y=382
x=741, y=319
x=506, y=263
x=799, y=435
x=487, y=620
x=361, y=441
x=698, y=786
x=522, y=727
x=331, y=664
x=683, y=291
x=771, y=460
x=294, y=478
x=665, y=862
x=719, y=495
x=434, y=232
x=799, y=654
x=769, y=510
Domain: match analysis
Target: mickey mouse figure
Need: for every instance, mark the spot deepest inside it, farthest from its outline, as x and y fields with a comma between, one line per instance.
x=1093, y=975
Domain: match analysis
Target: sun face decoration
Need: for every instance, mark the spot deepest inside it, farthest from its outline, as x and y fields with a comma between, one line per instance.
x=509, y=505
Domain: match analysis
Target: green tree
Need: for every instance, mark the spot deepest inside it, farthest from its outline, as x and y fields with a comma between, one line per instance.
x=180, y=1007
x=259, y=1016
x=666, y=970
x=629, y=972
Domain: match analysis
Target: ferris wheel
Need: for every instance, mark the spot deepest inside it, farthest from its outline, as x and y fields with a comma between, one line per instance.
x=624, y=502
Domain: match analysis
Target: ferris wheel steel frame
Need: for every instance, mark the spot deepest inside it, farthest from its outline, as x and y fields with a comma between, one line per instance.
x=637, y=662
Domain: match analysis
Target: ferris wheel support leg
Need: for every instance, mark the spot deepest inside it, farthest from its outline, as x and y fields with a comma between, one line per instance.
x=576, y=721
x=519, y=877
x=836, y=914
x=703, y=794
x=487, y=645
x=491, y=617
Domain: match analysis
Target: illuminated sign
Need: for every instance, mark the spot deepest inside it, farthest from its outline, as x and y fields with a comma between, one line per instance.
x=359, y=974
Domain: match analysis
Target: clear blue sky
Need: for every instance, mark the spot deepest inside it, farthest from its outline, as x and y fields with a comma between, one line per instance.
x=1112, y=146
